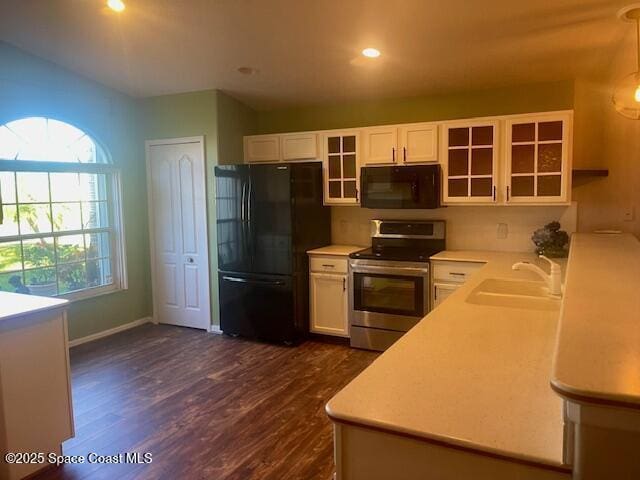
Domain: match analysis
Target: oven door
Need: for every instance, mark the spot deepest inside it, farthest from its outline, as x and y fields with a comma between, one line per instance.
x=401, y=187
x=389, y=297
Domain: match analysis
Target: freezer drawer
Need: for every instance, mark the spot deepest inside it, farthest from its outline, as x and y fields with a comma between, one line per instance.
x=257, y=306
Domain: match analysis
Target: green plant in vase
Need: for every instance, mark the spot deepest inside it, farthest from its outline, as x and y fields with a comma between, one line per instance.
x=550, y=241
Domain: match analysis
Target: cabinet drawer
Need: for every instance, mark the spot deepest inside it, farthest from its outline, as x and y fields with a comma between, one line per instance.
x=329, y=264
x=457, y=272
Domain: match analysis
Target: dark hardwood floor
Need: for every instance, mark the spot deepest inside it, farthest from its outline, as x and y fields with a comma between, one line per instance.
x=206, y=406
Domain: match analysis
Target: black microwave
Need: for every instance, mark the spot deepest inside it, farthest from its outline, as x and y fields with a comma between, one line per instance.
x=415, y=186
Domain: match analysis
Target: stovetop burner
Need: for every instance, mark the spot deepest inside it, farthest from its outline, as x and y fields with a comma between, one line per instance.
x=395, y=254
x=404, y=240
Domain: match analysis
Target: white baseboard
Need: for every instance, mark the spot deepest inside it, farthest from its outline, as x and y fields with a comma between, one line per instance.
x=111, y=331
x=215, y=329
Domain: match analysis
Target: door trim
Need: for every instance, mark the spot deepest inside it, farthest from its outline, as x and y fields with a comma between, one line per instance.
x=202, y=216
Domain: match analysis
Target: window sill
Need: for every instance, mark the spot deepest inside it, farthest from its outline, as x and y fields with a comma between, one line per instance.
x=78, y=296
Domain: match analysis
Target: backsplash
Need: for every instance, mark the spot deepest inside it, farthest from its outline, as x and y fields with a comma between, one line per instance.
x=468, y=228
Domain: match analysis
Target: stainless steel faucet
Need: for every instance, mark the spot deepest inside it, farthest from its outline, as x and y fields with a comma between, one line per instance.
x=553, y=280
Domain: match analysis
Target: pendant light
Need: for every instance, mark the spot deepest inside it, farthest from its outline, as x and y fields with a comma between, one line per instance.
x=626, y=97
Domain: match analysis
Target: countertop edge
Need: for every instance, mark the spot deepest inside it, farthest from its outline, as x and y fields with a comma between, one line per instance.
x=571, y=391
x=53, y=304
x=449, y=442
x=333, y=250
x=593, y=397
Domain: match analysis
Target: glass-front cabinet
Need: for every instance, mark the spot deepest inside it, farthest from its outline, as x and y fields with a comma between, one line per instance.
x=470, y=162
x=538, y=158
x=341, y=165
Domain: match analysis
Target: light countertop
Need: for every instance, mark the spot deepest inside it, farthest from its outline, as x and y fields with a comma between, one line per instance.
x=14, y=305
x=597, y=355
x=339, y=250
x=470, y=375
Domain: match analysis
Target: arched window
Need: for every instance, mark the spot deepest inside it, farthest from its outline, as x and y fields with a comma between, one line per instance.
x=59, y=211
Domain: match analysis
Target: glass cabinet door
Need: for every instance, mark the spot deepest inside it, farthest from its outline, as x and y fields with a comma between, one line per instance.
x=470, y=162
x=537, y=159
x=342, y=178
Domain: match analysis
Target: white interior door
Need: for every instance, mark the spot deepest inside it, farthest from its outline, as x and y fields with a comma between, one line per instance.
x=178, y=229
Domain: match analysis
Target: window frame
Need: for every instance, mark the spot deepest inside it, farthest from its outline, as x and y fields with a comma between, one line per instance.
x=114, y=206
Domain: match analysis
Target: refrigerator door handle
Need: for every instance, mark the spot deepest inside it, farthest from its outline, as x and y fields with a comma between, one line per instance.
x=249, y=192
x=249, y=280
x=243, y=209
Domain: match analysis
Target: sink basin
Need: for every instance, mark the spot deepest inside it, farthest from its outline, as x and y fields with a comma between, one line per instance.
x=514, y=294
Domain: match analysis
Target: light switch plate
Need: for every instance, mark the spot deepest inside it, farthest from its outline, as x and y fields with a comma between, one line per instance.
x=503, y=231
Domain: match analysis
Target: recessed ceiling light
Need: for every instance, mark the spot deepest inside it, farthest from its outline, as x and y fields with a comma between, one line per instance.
x=371, y=52
x=116, y=5
x=248, y=70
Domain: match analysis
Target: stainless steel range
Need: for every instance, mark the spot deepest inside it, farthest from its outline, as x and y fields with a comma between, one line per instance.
x=390, y=281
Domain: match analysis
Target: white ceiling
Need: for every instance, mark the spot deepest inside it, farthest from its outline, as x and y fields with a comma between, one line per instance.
x=307, y=51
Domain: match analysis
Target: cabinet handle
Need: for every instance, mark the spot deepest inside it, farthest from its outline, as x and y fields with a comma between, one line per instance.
x=328, y=265
x=494, y=193
x=344, y=284
x=404, y=154
x=393, y=154
x=357, y=197
x=507, y=193
x=458, y=274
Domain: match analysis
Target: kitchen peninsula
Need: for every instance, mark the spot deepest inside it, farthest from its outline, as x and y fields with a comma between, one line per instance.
x=466, y=393
x=35, y=388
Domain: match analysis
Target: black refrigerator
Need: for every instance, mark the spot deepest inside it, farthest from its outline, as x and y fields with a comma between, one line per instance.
x=268, y=216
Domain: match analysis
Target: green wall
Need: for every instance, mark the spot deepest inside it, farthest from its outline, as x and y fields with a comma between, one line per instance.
x=498, y=101
x=30, y=86
x=235, y=120
x=223, y=121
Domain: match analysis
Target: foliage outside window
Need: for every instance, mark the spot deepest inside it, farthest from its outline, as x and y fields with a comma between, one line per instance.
x=59, y=232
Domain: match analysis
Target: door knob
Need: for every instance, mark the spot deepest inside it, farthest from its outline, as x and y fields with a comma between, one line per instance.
x=190, y=260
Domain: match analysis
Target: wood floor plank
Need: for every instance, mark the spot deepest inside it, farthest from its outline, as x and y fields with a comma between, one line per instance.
x=206, y=406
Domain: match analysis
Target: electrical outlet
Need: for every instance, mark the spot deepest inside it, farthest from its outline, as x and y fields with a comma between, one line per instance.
x=629, y=214
x=503, y=231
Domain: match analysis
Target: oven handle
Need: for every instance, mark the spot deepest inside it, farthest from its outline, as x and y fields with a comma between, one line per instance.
x=417, y=272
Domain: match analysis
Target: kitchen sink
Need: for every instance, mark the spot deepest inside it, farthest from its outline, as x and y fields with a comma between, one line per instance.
x=514, y=294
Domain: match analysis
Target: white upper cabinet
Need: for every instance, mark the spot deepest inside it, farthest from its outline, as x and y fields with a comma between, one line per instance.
x=299, y=146
x=502, y=160
x=538, y=158
x=470, y=162
x=380, y=146
x=262, y=148
x=341, y=167
x=419, y=143
x=398, y=145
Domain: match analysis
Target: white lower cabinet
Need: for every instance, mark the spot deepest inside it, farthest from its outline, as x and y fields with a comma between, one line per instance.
x=441, y=292
x=36, y=411
x=447, y=276
x=328, y=292
x=329, y=314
